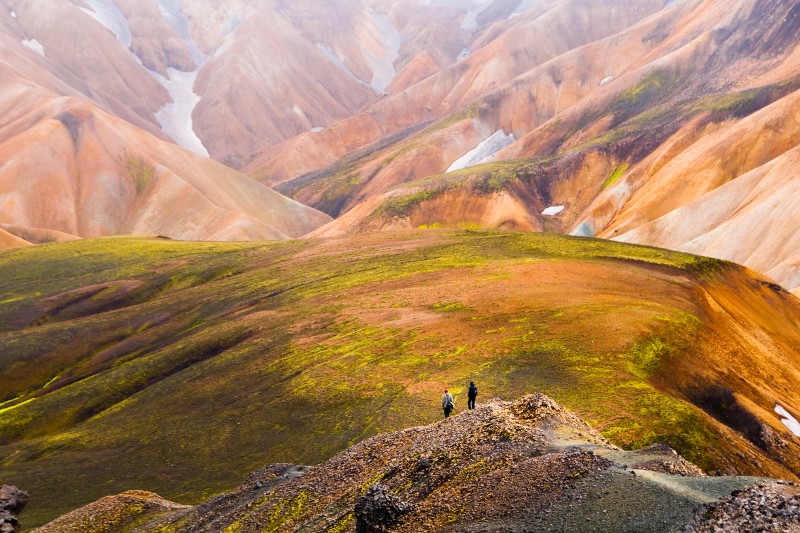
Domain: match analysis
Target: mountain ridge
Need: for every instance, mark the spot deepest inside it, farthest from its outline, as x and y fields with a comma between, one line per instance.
x=528, y=464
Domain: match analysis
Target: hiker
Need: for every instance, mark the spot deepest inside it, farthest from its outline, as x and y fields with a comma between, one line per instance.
x=472, y=393
x=448, y=404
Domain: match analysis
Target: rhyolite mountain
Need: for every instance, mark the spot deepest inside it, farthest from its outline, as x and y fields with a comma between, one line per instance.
x=528, y=465
x=667, y=123
x=671, y=123
x=180, y=367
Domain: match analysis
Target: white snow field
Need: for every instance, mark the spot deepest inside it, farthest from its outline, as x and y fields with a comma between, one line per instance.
x=553, y=210
x=484, y=152
x=381, y=63
x=176, y=117
x=34, y=45
x=788, y=420
x=109, y=15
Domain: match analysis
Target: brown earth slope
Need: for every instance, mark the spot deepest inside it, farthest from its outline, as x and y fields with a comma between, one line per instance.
x=69, y=169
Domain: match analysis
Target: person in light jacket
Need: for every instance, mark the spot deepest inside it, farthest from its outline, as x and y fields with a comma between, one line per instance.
x=448, y=403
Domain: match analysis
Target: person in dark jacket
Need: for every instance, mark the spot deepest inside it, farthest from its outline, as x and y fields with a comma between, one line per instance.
x=472, y=393
x=448, y=404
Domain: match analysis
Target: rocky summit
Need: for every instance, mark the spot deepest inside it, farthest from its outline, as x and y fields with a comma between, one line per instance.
x=526, y=465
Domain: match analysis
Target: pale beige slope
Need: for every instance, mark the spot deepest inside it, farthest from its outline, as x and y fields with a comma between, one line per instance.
x=263, y=90
x=694, y=161
x=723, y=190
x=751, y=220
x=9, y=240
x=77, y=170
x=288, y=69
x=86, y=55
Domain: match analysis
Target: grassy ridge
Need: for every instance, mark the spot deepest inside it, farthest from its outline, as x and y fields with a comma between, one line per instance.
x=219, y=358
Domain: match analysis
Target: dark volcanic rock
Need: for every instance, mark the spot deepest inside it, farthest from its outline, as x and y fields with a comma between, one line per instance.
x=769, y=507
x=12, y=501
x=378, y=509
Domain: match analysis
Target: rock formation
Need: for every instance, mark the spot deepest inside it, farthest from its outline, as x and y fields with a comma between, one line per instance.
x=12, y=502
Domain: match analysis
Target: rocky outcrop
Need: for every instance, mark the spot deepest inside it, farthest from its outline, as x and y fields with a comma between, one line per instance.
x=378, y=510
x=507, y=466
x=768, y=507
x=12, y=501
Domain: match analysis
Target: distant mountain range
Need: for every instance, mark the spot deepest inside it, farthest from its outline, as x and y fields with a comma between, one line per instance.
x=671, y=123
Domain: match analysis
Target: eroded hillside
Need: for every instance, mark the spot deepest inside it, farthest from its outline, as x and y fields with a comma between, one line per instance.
x=676, y=127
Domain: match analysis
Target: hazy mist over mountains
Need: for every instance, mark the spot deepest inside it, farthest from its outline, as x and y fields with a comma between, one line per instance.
x=232, y=229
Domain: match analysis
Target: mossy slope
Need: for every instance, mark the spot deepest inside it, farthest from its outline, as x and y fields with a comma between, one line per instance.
x=188, y=365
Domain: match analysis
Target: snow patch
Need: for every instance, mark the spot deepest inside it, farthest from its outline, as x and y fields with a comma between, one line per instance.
x=109, y=15
x=297, y=110
x=463, y=54
x=317, y=129
x=606, y=80
x=175, y=19
x=13, y=14
x=553, y=210
x=176, y=118
x=788, y=420
x=34, y=45
x=337, y=61
x=381, y=62
x=484, y=152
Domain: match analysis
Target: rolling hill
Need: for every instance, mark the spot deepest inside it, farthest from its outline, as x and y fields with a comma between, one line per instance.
x=70, y=170
x=179, y=367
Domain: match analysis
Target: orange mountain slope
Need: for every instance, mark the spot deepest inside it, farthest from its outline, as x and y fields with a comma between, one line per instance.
x=73, y=169
x=611, y=136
